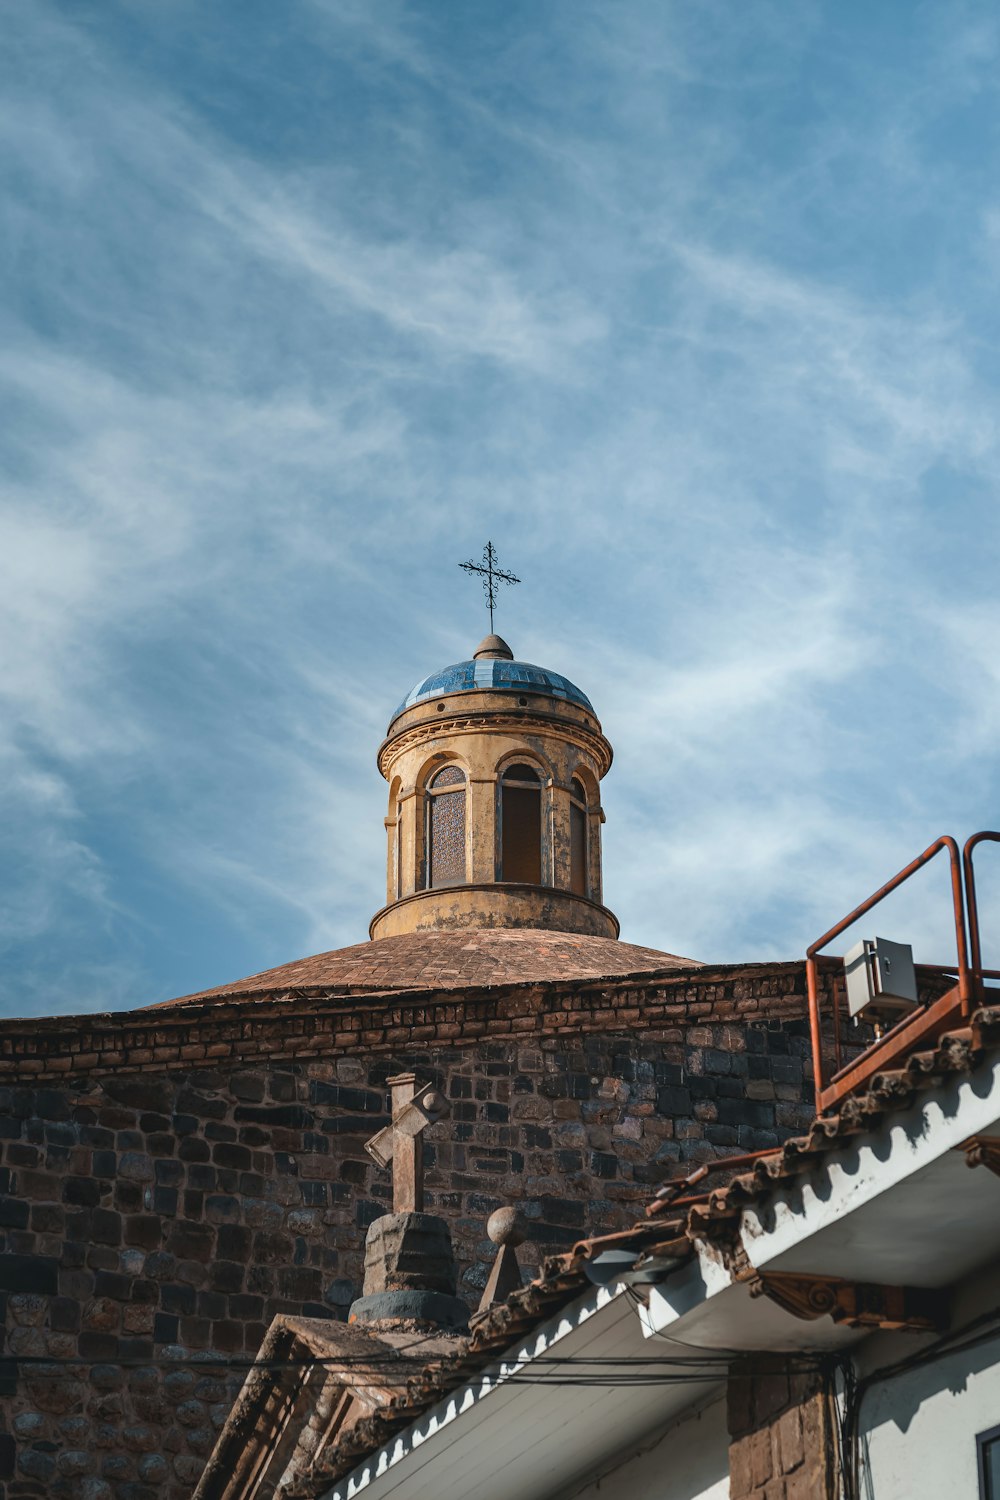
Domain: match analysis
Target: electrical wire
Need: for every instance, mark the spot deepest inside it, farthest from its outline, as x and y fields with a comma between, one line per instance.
x=983, y=1329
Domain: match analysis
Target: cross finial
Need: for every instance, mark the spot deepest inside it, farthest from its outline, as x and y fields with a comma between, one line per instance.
x=491, y=576
x=401, y=1143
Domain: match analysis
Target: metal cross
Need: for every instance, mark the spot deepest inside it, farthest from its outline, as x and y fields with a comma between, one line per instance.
x=402, y=1142
x=491, y=576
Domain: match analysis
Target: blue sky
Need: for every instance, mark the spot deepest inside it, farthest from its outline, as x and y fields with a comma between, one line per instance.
x=691, y=308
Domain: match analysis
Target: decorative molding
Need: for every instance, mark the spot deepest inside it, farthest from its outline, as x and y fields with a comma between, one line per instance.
x=566, y=730
x=857, y=1304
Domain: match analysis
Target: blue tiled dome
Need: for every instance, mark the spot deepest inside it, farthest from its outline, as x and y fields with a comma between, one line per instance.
x=485, y=674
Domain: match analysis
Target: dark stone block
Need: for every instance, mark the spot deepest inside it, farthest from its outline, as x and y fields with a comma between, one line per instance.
x=165, y=1201
x=190, y=1102
x=29, y=1273
x=178, y=1297
x=47, y=1218
x=602, y=1163
x=673, y=1100
x=106, y=1227
x=282, y=1086
x=227, y=1276
x=13, y=1214
x=742, y=1112
x=113, y=1284
x=234, y=1241
x=248, y=1087
x=142, y=1093
x=227, y=1335
x=83, y=1191
x=143, y=1230
x=242, y=1305
x=196, y=1331
x=98, y=1346
x=563, y=1210
x=357, y=1101
x=227, y=1155
x=64, y=1315
x=193, y=1148
x=293, y=1116
x=105, y=1163
x=190, y=1241
x=165, y=1327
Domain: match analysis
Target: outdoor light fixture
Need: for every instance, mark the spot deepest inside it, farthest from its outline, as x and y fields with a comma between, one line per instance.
x=881, y=982
x=614, y=1266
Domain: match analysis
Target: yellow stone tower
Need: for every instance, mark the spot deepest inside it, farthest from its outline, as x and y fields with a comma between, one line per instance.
x=494, y=769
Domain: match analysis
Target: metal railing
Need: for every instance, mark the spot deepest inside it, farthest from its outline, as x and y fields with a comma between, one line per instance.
x=961, y=997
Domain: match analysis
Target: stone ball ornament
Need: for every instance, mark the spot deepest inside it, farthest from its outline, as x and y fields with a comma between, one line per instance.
x=507, y=1226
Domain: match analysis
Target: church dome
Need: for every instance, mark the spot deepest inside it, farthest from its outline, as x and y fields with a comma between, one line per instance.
x=493, y=669
x=494, y=818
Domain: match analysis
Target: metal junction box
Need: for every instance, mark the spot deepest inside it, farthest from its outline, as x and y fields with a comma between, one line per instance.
x=880, y=977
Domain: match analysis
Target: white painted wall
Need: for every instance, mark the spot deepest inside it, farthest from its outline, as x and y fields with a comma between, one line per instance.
x=688, y=1459
x=918, y=1430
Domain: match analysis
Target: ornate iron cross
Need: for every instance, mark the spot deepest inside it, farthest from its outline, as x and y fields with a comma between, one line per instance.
x=491, y=575
x=401, y=1144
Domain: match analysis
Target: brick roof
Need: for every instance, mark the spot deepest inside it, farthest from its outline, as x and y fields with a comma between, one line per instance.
x=445, y=960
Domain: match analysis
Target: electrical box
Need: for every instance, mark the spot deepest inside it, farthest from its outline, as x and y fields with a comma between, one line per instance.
x=880, y=978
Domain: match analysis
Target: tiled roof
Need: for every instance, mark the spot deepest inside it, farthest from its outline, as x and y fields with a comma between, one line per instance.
x=888, y=1093
x=459, y=960
x=560, y=1282
x=669, y=1235
x=491, y=676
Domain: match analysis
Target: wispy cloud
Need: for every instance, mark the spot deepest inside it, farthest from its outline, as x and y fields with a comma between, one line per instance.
x=690, y=309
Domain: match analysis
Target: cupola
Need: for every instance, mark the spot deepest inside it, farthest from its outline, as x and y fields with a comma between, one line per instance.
x=494, y=769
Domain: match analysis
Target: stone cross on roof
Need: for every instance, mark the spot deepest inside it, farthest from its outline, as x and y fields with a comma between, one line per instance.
x=401, y=1144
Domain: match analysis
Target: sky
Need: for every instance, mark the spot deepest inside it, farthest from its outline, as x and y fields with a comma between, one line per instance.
x=691, y=309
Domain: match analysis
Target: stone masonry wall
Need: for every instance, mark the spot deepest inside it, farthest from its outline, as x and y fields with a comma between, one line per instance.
x=782, y=1444
x=153, y=1221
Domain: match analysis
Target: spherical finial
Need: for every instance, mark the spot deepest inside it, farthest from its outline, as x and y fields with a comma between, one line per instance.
x=506, y=1226
x=493, y=648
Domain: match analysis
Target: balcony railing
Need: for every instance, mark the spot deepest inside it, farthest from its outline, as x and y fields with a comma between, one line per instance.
x=949, y=994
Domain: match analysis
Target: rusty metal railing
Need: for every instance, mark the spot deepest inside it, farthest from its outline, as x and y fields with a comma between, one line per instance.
x=960, y=998
x=975, y=949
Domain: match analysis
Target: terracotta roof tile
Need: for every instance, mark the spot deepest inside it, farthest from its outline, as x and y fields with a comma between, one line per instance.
x=454, y=960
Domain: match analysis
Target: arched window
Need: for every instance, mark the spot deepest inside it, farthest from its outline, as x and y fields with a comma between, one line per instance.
x=446, y=828
x=578, y=881
x=394, y=827
x=521, y=825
